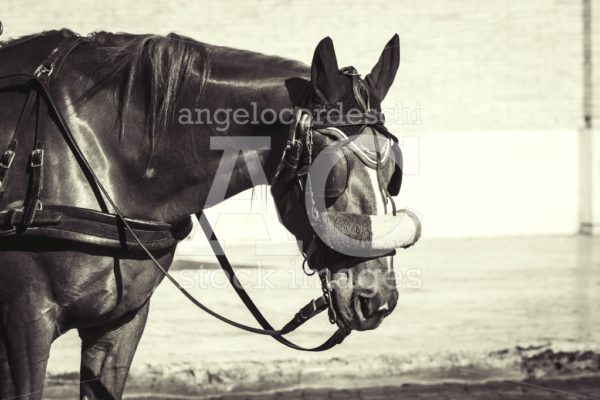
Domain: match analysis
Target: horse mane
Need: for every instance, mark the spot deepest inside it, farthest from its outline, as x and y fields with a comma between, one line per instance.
x=65, y=33
x=165, y=64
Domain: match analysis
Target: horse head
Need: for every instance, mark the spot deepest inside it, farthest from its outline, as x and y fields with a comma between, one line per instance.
x=335, y=185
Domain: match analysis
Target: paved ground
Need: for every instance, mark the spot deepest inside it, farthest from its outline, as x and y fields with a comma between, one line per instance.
x=588, y=388
x=475, y=303
x=510, y=309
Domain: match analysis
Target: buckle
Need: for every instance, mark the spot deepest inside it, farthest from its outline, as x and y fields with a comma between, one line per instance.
x=331, y=310
x=43, y=69
x=37, y=158
x=312, y=306
x=351, y=71
x=12, y=218
x=7, y=159
x=327, y=288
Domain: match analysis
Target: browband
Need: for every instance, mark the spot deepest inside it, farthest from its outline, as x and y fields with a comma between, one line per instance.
x=350, y=119
x=325, y=118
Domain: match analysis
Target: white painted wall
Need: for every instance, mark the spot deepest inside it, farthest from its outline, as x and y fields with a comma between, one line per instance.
x=513, y=182
x=463, y=184
x=498, y=83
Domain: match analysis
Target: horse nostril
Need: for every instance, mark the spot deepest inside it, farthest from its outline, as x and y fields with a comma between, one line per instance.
x=384, y=307
x=365, y=306
x=369, y=307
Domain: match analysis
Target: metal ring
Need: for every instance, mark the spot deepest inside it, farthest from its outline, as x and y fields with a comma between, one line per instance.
x=307, y=271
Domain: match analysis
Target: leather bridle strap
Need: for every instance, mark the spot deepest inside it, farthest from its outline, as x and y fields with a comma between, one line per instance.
x=341, y=120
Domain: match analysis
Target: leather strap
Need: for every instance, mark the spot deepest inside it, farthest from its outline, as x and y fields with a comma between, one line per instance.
x=352, y=119
x=15, y=80
x=73, y=225
x=36, y=165
x=41, y=77
x=51, y=65
x=358, y=87
x=13, y=218
x=9, y=155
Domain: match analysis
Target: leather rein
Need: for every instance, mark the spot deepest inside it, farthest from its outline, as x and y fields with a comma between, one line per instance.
x=39, y=85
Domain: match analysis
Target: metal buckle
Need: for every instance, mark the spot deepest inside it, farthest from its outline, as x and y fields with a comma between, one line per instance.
x=327, y=290
x=332, y=314
x=7, y=159
x=313, y=305
x=37, y=158
x=44, y=69
x=350, y=71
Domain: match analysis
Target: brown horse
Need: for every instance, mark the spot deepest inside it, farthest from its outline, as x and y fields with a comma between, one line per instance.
x=122, y=97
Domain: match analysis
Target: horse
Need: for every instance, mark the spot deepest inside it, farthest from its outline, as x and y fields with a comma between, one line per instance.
x=121, y=96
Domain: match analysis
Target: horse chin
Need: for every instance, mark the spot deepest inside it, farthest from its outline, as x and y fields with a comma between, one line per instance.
x=363, y=295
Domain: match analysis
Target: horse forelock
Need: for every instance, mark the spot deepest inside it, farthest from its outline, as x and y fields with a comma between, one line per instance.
x=165, y=64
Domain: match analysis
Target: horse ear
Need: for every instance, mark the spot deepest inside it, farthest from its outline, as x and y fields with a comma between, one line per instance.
x=327, y=81
x=382, y=76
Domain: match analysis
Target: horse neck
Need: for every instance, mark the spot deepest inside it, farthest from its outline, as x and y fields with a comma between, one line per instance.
x=238, y=81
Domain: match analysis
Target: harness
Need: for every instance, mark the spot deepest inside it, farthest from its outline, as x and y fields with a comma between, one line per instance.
x=115, y=231
x=65, y=223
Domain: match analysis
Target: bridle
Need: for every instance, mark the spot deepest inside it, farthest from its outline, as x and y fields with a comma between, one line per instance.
x=300, y=144
x=299, y=153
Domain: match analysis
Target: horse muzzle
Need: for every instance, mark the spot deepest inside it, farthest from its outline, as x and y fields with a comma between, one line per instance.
x=359, y=308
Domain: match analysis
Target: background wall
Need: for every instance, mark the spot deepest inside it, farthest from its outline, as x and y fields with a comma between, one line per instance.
x=490, y=94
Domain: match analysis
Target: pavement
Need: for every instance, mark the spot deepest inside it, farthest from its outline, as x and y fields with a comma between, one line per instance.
x=564, y=389
x=502, y=309
x=577, y=389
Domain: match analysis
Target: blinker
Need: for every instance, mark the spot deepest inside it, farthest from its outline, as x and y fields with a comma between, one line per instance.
x=337, y=178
